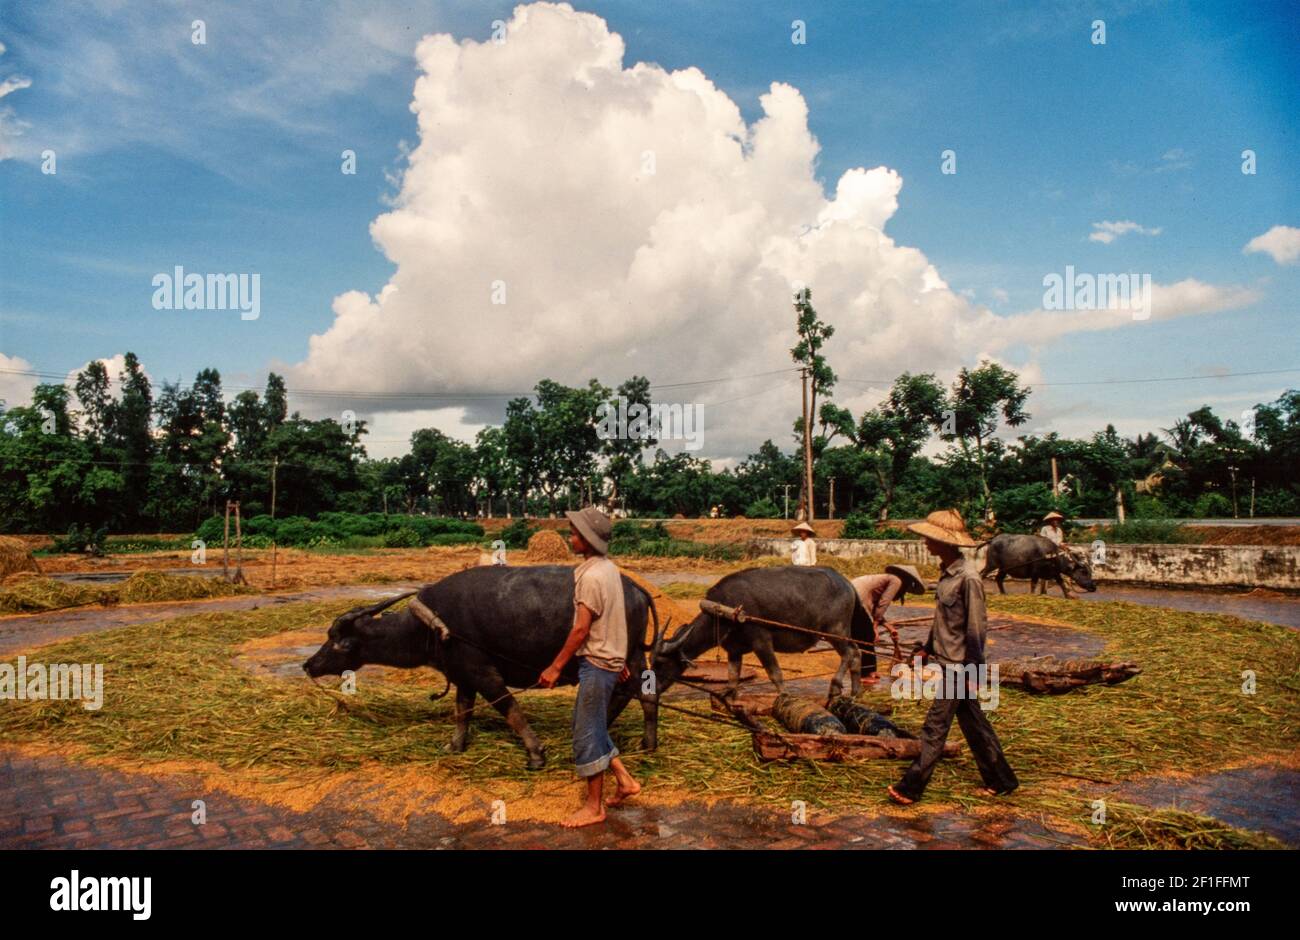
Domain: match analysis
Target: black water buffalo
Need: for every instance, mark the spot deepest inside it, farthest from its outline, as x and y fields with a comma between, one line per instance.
x=497, y=628
x=1037, y=559
x=819, y=599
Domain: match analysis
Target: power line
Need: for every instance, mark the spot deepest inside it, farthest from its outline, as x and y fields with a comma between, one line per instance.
x=1168, y=378
x=352, y=394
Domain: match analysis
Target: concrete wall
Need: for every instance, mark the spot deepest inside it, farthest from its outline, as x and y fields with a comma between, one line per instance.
x=1246, y=566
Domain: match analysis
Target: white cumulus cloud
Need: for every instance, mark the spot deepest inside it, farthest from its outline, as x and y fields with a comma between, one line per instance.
x=1107, y=232
x=635, y=223
x=1281, y=243
x=15, y=387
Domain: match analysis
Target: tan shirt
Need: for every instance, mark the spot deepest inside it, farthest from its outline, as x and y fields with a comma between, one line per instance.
x=877, y=592
x=1053, y=534
x=598, y=586
x=804, y=552
x=960, y=622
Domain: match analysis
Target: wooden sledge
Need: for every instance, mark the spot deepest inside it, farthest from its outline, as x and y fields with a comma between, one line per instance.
x=1048, y=675
x=837, y=748
x=833, y=748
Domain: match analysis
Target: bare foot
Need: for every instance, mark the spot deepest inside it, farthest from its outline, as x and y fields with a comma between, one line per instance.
x=623, y=794
x=584, y=817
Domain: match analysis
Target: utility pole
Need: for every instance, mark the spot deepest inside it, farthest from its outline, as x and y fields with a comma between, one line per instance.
x=1056, y=480
x=831, y=507
x=275, y=465
x=225, y=545
x=787, y=500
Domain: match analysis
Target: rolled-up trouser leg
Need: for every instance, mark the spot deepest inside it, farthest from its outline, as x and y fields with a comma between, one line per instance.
x=985, y=747
x=938, y=720
x=593, y=748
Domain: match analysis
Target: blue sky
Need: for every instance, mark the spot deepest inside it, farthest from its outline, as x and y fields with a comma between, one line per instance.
x=225, y=157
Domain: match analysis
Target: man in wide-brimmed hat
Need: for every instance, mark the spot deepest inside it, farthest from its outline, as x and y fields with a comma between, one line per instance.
x=956, y=640
x=877, y=592
x=1052, y=529
x=803, y=551
x=599, y=639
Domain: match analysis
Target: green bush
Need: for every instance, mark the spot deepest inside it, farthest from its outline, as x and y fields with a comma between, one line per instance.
x=1021, y=508
x=763, y=509
x=455, y=538
x=81, y=540
x=1212, y=506
x=124, y=544
x=861, y=525
x=517, y=534
x=651, y=538
x=338, y=529
x=402, y=538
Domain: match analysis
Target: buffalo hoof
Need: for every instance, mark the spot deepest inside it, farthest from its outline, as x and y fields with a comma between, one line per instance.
x=649, y=744
x=458, y=747
x=537, y=761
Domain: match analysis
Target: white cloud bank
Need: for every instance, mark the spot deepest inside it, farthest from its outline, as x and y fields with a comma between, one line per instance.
x=15, y=387
x=1281, y=243
x=1107, y=232
x=639, y=225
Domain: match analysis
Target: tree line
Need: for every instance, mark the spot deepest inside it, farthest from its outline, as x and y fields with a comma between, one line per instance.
x=136, y=459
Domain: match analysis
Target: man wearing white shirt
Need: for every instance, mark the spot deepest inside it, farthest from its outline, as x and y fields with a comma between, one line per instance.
x=804, y=548
x=1052, y=531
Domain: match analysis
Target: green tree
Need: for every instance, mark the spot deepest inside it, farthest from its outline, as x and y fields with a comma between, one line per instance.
x=813, y=334
x=623, y=452
x=894, y=432
x=980, y=397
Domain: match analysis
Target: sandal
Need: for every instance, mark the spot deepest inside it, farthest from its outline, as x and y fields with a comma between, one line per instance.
x=898, y=797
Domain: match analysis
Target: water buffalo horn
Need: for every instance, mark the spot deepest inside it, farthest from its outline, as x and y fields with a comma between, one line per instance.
x=657, y=646
x=362, y=612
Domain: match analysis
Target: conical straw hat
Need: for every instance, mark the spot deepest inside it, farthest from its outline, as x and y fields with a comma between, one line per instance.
x=945, y=526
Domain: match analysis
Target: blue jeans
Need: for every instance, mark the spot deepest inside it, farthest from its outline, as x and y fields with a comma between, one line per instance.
x=593, y=748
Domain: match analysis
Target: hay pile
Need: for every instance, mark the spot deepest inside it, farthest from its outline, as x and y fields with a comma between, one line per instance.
x=31, y=593
x=14, y=557
x=548, y=548
x=28, y=593
x=146, y=586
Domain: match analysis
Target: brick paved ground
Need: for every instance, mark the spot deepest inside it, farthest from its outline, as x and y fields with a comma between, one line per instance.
x=49, y=802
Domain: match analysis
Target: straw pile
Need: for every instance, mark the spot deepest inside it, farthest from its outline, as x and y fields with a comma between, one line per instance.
x=148, y=586
x=174, y=692
x=14, y=557
x=548, y=548
x=31, y=593
x=28, y=593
